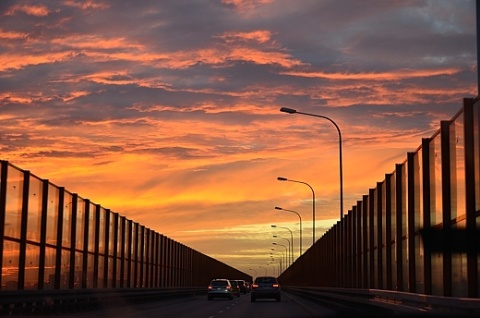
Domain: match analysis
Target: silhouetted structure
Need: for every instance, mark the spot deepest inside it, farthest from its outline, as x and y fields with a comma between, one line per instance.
x=53, y=239
x=378, y=244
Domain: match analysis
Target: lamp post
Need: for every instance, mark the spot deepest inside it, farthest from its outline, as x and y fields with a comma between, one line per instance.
x=277, y=268
x=280, y=260
x=294, y=111
x=300, y=218
x=291, y=235
x=289, y=251
x=313, y=201
x=286, y=253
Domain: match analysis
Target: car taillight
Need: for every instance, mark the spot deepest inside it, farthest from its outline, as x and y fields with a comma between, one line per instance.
x=209, y=287
x=276, y=285
x=254, y=285
x=229, y=288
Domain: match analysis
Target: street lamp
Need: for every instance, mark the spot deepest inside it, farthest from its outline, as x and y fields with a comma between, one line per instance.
x=279, y=258
x=291, y=235
x=286, y=261
x=294, y=111
x=301, y=237
x=313, y=201
x=289, y=251
x=278, y=266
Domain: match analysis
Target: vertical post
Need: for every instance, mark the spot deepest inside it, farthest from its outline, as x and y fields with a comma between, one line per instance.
x=379, y=242
x=106, y=245
x=23, y=231
x=446, y=204
x=58, y=256
x=472, y=231
x=43, y=235
x=371, y=238
x=129, y=250
x=399, y=197
x=411, y=215
x=73, y=239
x=359, y=239
x=115, y=251
x=428, y=165
x=365, y=249
x=86, y=231
x=96, y=254
x=388, y=231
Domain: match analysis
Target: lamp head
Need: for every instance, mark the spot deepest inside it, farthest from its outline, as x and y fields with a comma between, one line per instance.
x=282, y=179
x=273, y=225
x=288, y=110
x=278, y=208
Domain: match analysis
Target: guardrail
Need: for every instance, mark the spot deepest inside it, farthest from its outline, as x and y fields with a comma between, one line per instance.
x=46, y=302
x=402, y=303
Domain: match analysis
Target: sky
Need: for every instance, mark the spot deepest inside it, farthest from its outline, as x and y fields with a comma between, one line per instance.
x=167, y=112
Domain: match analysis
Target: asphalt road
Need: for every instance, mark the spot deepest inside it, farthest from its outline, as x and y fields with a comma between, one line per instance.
x=200, y=307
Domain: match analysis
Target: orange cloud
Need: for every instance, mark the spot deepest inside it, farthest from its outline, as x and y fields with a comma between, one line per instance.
x=385, y=76
x=95, y=42
x=12, y=35
x=18, y=61
x=259, y=36
x=35, y=10
x=87, y=4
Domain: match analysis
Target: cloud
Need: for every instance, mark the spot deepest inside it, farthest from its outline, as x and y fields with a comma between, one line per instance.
x=33, y=10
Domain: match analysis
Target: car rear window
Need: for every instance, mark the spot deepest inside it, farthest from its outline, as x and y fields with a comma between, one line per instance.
x=219, y=283
x=265, y=280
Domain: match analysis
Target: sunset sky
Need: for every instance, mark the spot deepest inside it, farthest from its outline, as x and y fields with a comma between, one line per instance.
x=167, y=112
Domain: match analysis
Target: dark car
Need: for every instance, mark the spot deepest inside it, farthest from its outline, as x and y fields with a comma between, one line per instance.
x=235, y=287
x=220, y=288
x=243, y=286
x=265, y=287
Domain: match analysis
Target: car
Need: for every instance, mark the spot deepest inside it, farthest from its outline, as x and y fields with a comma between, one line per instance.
x=220, y=288
x=243, y=286
x=235, y=287
x=265, y=287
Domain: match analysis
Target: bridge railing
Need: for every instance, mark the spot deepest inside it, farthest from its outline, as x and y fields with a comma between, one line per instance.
x=52, y=239
x=401, y=303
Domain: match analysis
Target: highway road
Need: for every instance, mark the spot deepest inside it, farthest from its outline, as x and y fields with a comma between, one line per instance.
x=240, y=307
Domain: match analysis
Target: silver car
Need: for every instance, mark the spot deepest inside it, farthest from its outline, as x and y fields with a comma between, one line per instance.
x=220, y=288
